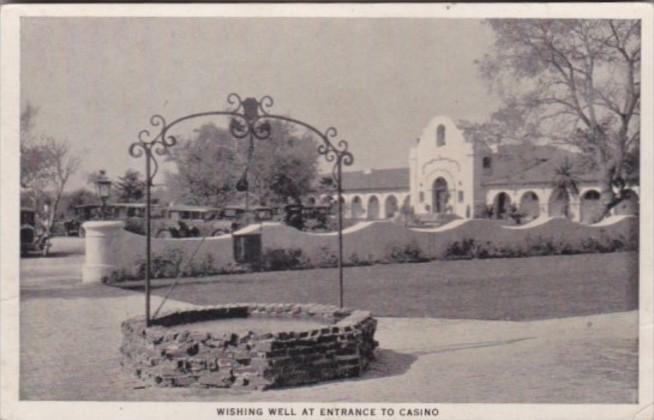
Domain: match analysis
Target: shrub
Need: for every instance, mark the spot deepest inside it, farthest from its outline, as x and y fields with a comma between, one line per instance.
x=407, y=253
x=327, y=258
x=537, y=246
x=469, y=248
x=165, y=265
x=235, y=268
x=200, y=267
x=136, y=225
x=605, y=244
x=355, y=260
x=284, y=259
x=540, y=246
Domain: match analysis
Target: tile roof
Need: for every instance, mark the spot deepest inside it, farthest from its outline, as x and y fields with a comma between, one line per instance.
x=376, y=179
x=529, y=164
x=511, y=164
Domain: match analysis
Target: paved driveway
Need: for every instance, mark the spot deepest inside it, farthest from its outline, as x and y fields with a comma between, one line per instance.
x=62, y=266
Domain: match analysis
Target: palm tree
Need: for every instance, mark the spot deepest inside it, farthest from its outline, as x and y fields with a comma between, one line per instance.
x=564, y=183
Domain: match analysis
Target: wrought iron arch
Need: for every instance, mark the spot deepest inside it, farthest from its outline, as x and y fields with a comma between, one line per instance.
x=250, y=120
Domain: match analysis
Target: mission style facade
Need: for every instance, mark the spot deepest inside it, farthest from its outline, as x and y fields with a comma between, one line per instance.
x=451, y=176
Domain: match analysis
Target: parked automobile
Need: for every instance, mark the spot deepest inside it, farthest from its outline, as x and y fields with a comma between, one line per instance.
x=33, y=238
x=194, y=221
x=186, y=221
x=234, y=217
x=127, y=212
x=293, y=216
x=73, y=227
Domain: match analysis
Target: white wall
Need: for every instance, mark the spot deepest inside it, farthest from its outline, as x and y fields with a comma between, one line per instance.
x=368, y=240
x=453, y=161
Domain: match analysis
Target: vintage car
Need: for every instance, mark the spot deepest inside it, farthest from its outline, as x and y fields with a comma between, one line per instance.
x=234, y=217
x=32, y=237
x=72, y=227
x=185, y=221
x=133, y=214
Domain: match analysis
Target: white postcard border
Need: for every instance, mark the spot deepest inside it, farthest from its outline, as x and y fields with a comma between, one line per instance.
x=12, y=408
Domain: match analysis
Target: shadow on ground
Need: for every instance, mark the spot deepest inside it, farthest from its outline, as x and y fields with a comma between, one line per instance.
x=71, y=290
x=468, y=346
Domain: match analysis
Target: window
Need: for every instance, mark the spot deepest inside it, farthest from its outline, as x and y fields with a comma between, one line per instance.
x=487, y=165
x=440, y=136
x=460, y=196
x=422, y=196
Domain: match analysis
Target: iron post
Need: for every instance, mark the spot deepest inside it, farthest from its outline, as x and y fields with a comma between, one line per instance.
x=148, y=233
x=339, y=188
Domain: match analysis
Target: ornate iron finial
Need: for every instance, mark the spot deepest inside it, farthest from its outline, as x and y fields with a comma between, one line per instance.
x=251, y=109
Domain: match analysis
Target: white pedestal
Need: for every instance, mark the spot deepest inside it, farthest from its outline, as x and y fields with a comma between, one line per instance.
x=102, y=243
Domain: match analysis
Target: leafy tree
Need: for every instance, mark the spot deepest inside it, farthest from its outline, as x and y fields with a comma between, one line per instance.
x=573, y=83
x=208, y=167
x=46, y=166
x=286, y=166
x=211, y=163
x=130, y=187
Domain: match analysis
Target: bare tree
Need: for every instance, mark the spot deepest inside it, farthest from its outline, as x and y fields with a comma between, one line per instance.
x=574, y=83
x=64, y=164
x=46, y=166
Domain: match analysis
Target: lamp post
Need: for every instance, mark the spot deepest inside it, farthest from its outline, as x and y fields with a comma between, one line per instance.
x=103, y=188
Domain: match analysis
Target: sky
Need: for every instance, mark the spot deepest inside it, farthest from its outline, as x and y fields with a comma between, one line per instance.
x=97, y=81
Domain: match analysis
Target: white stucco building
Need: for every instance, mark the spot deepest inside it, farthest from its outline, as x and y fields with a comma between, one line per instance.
x=450, y=175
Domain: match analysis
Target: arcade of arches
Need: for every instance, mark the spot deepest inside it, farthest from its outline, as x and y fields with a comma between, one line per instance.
x=457, y=177
x=529, y=204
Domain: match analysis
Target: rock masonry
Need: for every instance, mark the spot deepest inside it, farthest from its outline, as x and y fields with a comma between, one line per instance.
x=160, y=356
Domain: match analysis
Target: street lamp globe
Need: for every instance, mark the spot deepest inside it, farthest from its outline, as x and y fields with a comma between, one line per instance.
x=103, y=188
x=103, y=185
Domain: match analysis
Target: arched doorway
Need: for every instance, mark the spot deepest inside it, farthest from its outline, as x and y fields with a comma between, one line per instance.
x=440, y=196
x=629, y=205
x=373, y=208
x=390, y=206
x=590, y=207
x=559, y=204
x=357, y=208
x=530, y=205
x=502, y=205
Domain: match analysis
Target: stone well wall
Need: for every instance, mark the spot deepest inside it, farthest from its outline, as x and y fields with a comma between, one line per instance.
x=160, y=356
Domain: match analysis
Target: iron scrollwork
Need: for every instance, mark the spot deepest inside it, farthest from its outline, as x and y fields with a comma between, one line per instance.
x=251, y=120
x=153, y=144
